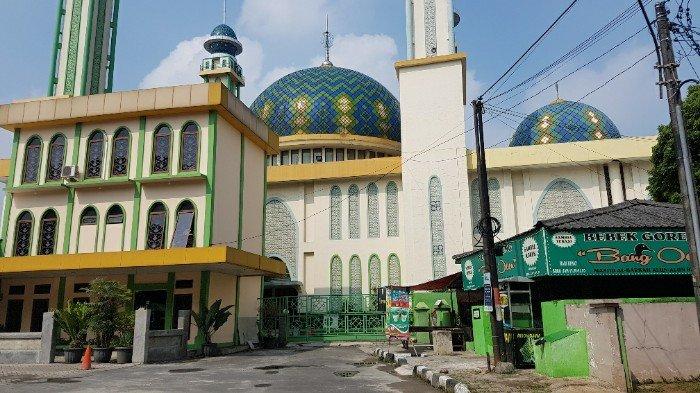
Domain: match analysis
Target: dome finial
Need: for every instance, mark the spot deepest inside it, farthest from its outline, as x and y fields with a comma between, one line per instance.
x=224, y=12
x=558, y=99
x=327, y=44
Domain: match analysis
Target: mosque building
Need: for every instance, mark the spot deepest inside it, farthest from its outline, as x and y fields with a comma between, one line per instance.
x=187, y=195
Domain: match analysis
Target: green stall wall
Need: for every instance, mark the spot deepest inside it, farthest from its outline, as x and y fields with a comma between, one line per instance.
x=481, y=326
x=421, y=316
x=564, y=351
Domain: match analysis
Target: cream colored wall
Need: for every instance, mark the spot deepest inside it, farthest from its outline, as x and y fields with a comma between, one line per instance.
x=28, y=297
x=196, y=280
x=46, y=135
x=102, y=200
x=172, y=194
x=227, y=184
x=37, y=204
x=176, y=124
x=223, y=286
x=253, y=195
x=248, y=307
x=109, y=128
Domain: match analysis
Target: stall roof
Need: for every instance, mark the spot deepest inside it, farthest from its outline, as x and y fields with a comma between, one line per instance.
x=453, y=281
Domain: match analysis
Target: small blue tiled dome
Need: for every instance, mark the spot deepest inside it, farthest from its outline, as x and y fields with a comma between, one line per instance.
x=329, y=100
x=564, y=121
x=223, y=40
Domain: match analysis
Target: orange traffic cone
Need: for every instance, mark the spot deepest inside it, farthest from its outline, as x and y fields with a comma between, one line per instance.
x=87, y=359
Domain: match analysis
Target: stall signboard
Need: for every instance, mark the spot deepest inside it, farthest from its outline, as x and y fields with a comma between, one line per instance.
x=585, y=252
x=398, y=310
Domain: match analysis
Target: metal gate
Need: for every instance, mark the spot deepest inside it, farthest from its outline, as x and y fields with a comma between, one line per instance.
x=311, y=318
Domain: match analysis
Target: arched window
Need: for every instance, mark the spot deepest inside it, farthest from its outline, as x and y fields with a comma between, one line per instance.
x=115, y=215
x=336, y=285
x=161, y=149
x=375, y=274
x=94, y=155
x=354, y=212
x=114, y=234
x=335, y=214
x=494, y=202
x=394, y=270
x=281, y=235
x=437, y=228
x=561, y=197
x=32, y=160
x=47, y=233
x=23, y=234
x=372, y=210
x=189, y=147
x=157, y=221
x=355, y=275
x=120, y=153
x=184, y=226
x=57, y=150
x=87, y=233
x=392, y=209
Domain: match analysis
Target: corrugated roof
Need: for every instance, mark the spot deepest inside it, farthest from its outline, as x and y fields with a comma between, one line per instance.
x=629, y=214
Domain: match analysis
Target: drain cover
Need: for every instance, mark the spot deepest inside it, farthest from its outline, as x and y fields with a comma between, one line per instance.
x=185, y=370
x=345, y=374
x=364, y=364
x=262, y=385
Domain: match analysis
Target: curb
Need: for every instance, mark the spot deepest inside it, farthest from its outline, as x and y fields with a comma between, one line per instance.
x=434, y=378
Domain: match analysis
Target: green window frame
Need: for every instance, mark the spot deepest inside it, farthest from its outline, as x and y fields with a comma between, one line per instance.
x=32, y=151
x=161, y=155
x=48, y=233
x=54, y=169
x=94, y=155
x=190, y=129
x=24, y=226
x=119, y=162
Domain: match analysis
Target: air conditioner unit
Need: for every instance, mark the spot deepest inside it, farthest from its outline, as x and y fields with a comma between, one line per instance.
x=70, y=172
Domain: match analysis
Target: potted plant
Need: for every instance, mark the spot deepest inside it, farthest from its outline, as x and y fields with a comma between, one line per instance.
x=108, y=299
x=209, y=320
x=74, y=320
x=124, y=342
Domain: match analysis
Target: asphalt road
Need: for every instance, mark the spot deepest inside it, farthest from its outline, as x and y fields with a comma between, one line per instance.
x=307, y=369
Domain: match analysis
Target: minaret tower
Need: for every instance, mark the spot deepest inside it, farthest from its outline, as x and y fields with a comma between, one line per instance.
x=222, y=65
x=83, y=56
x=432, y=85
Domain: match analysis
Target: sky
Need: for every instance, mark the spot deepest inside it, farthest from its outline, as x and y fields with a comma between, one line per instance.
x=160, y=43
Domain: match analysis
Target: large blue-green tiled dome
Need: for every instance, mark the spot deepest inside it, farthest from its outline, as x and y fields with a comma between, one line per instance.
x=564, y=121
x=329, y=100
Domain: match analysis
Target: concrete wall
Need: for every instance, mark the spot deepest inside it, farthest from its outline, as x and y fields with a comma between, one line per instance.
x=227, y=186
x=152, y=346
x=248, y=308
x=38, y=347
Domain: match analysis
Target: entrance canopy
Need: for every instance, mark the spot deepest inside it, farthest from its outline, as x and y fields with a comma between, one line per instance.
x=631, y=238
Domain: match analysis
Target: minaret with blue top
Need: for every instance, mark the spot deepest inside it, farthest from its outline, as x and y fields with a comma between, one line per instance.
x=222, y=65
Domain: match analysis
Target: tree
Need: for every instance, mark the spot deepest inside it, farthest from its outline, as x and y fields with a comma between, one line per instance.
x=663, y=176
x=108, y=300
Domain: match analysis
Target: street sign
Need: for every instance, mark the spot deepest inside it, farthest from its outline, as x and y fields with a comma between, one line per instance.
x=488, y=296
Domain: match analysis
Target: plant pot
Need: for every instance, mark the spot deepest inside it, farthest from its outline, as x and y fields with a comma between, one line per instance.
x=123, y=354
x=72, y=355
x=101, y=355
x=210, y=350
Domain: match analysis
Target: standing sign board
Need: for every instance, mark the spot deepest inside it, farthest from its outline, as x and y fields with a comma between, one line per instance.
x=398, y=310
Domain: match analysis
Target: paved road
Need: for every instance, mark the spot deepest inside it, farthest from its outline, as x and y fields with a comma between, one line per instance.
x=308, y=369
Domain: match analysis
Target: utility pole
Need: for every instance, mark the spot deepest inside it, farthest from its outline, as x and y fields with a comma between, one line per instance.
x=685, y=175
x=487, y=233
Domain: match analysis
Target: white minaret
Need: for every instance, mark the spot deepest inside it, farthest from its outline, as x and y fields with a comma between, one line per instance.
x=432, y=87
x=83, y=56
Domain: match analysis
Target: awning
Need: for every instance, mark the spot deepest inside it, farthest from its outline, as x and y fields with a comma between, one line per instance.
x=453, y=281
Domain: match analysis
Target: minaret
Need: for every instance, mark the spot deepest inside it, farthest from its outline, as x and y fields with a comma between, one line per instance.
x=432, y=85
x=84, y=45
x=222, y=65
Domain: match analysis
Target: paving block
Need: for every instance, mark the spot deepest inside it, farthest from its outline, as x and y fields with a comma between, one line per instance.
x=428, y=376
x=401, y=361
x=461, y=388
x=424, y=372
x=435, y=379
x=450, y=384
x=389, y=357
x=416, y=369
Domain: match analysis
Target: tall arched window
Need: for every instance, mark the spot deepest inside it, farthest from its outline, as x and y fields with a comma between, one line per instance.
x=157, y=221
x=392, y=209
x=161, y=149
x=120, y=153
x=87, y=233
x=23, y=234
x=394, y=270
x=114, y=234
x=96, y=146
x=372, y=210
x=32, y=160
x=375, y=274
x=281, y=235
x=437, y=228
x=48, y=233
x=336, y=284
x=57, y=154
x=335, y=214
x=189, y=147
x=354, y=212
x=184, y=226
x=494, y=202
x=561, y=197
x=355, y=275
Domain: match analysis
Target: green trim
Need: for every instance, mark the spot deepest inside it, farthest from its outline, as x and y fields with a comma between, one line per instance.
x=24, y=161
x=104, y=226
x=56, y=48
x=73, y=41
x=31, y=233
x=70, y=205
x=76, y=143
x=97, y=224
x=96, y=72
x=137, y=186
x=112, y=48
x=165, y=177
x=169, y=302
x=623, y=349
x=203, y=302
x=8, y=195
x=36, y=187
x=236, y=333
x=61, y=293
x=241, y=184
x=170, y=148
x=199, y=148
x=211, y=170
x=264, y=209
x=48, y=156
x=86, y=48
x=99, y=182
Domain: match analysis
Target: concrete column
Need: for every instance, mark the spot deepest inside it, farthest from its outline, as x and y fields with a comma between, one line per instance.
x=141, y=322
x=615, y=170
x=184, y=321
x=47, y=339
x=442, y=342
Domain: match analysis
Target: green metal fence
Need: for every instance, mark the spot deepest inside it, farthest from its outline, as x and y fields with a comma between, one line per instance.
x=323, y=317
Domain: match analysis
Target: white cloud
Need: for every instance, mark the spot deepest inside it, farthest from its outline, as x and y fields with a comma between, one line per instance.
x=180, y=67
x=282, y=18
